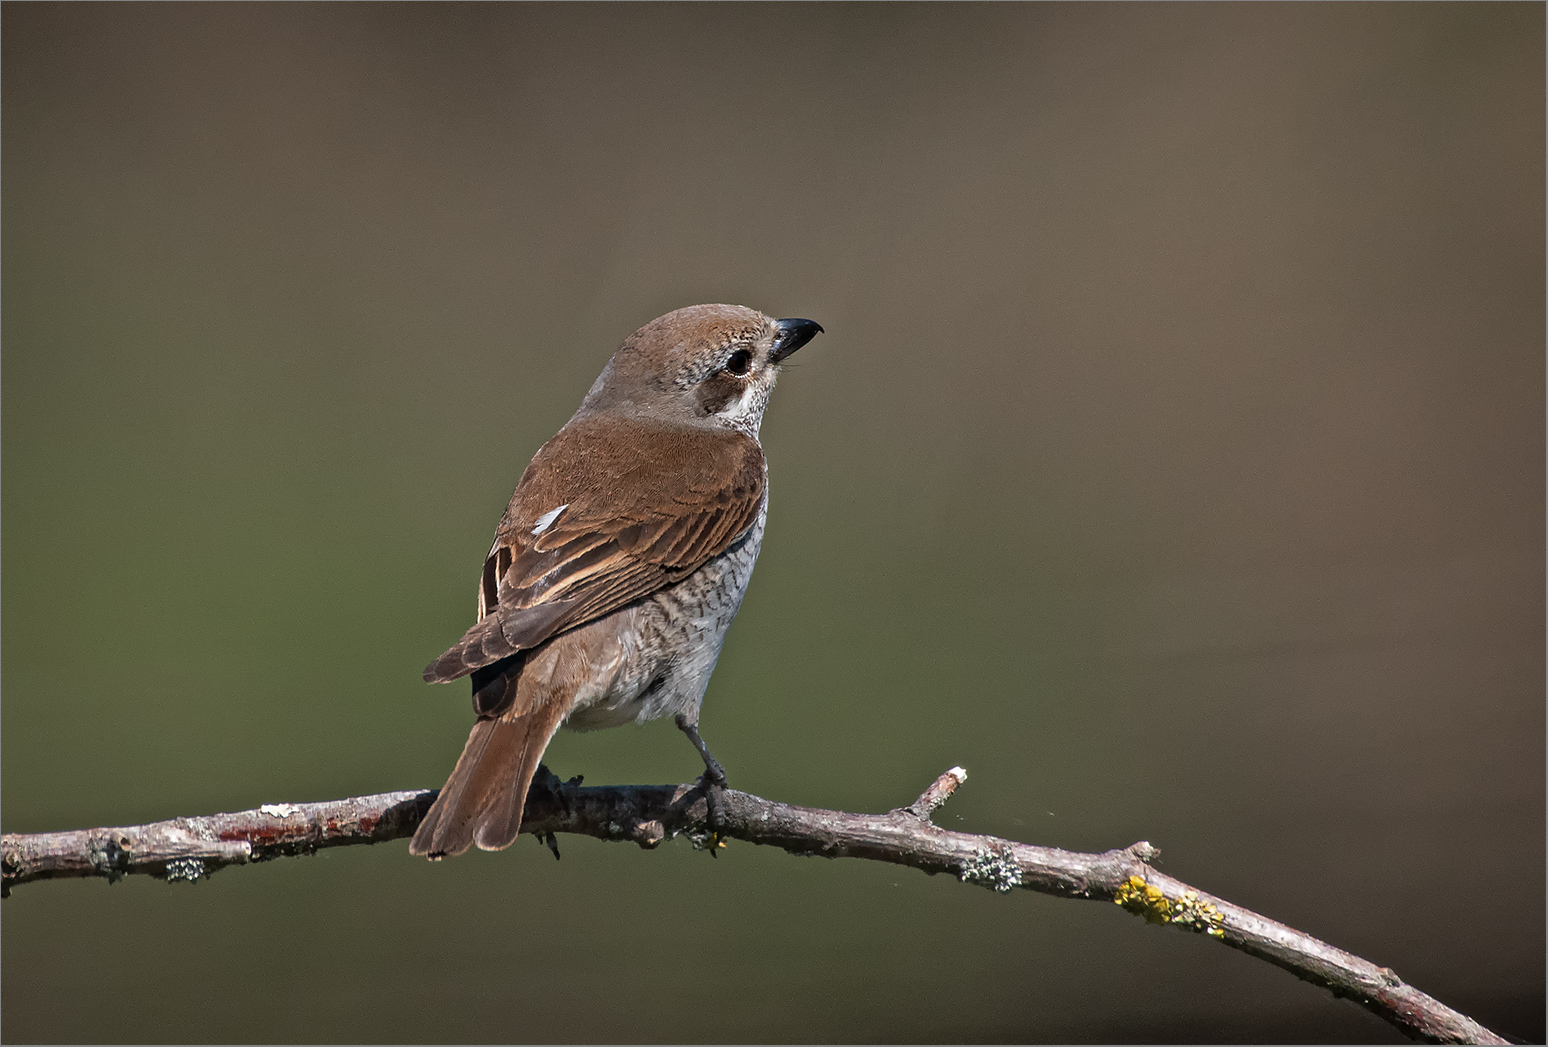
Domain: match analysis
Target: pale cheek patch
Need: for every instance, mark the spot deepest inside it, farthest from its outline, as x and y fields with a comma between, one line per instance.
x=547, y=519
x=747, y=403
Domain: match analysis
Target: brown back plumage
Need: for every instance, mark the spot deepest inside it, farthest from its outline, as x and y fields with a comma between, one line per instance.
x=614, y=538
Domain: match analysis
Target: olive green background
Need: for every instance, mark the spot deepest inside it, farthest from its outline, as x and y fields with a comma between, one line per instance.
x=1174, y=461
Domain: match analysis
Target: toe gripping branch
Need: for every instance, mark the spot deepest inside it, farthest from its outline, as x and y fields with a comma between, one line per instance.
x=714, y=787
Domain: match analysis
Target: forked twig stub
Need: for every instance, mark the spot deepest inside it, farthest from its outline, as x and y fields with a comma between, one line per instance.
x=939, y=792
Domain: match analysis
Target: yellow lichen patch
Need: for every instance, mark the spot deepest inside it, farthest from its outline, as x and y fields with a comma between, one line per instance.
x=1137, y=896
x=1188, y=911
x=1196, y=915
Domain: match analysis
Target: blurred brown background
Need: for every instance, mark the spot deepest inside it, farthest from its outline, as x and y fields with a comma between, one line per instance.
x=1174, y=460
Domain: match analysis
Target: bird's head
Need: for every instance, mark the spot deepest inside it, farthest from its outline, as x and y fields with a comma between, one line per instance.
x=703, y=365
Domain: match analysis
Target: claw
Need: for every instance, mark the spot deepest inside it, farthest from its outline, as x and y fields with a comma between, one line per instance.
x=714, y=813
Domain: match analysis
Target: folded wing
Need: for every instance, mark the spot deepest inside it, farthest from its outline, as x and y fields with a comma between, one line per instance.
x=692, y=495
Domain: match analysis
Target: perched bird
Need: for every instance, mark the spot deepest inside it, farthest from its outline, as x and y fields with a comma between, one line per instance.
x=619, y=563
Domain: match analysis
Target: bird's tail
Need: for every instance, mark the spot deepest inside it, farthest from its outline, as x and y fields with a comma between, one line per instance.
x=482, y=801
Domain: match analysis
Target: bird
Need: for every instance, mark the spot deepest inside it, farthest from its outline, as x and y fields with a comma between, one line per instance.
x=619, y=564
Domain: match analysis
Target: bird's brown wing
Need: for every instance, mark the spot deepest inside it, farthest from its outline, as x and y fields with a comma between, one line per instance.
x=642, y=508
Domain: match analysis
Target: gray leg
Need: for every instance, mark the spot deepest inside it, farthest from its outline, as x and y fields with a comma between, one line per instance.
x=713, y=772
x=714, y=780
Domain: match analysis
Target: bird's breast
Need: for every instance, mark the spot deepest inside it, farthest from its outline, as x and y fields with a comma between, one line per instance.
x=671, y=640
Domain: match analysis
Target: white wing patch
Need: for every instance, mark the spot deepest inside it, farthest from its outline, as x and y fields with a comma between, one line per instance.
x=546, y=520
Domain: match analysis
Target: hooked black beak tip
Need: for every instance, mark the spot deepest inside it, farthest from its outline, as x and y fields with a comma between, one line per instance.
x=792, y=334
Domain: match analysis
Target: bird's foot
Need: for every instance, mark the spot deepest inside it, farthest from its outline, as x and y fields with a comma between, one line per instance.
x=715, y=810
x=713, y=781
x=549, y=789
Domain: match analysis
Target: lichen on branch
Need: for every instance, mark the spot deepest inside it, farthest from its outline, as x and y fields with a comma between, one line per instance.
x=187, y=849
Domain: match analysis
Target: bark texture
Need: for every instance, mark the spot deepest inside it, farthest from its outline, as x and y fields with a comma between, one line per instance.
x=190, y=848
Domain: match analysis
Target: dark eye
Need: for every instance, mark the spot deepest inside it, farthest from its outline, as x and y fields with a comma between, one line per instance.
x=739, y=363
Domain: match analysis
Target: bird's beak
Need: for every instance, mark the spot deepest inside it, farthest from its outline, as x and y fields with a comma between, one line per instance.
x=790, y=335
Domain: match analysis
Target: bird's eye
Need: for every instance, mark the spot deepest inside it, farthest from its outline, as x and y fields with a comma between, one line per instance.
x=739, y=363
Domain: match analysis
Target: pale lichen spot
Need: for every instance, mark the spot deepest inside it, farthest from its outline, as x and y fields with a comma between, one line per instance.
x=992, y=870
x=185, y=870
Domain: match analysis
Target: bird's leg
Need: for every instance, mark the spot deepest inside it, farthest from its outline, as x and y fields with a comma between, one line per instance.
x=714, y=779
x=713, y=772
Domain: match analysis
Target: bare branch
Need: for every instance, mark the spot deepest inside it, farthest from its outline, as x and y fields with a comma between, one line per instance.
x=190, y=848
x=939, y=792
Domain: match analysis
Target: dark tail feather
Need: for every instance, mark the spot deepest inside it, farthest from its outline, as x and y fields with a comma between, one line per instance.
x=483, y=799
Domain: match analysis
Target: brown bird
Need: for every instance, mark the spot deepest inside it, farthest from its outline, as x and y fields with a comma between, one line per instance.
x=619, y=563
